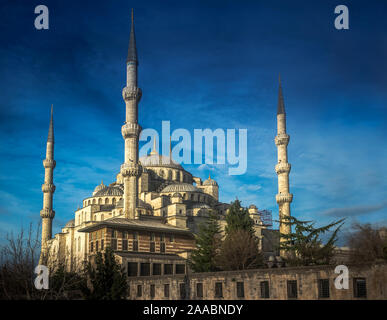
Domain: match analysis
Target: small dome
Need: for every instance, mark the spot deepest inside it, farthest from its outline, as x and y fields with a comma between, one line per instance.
x=177, y=195
x=180, y=187
x=210, y=182
x=115, y=190
x=99, y=188
x=70, y=224
x=252, y=206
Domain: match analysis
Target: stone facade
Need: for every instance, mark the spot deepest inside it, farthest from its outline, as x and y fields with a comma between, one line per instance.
x=302, y=283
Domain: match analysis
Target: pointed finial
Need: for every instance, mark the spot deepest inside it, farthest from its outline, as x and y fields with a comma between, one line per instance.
x=132, y=16
x=51, y=127
x=170, y=149
x=209, y=176
x=281, y=104
x=154, y=146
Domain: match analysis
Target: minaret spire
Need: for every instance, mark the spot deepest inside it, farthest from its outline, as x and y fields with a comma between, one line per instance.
x=281, y=104
x=131, y=169
x=283, y=198
x=51, y=127
x=47, y=213
x=132, y=51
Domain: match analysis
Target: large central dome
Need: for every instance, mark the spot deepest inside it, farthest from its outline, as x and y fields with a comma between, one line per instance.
x=158, y=160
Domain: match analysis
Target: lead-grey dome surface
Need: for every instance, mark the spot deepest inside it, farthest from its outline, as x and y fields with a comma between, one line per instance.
x=180, y=187
x=116, y=190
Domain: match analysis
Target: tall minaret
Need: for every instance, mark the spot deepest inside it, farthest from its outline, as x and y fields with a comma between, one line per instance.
x=283, y=198
x=131, y=169
x=48, y=188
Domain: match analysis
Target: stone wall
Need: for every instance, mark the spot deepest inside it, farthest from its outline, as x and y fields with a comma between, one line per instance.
x=370, y=280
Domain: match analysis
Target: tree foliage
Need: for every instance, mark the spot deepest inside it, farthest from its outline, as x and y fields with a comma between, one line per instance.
x=107, y=280
x=304, y=245
x=239, y=251
x=208, y=242
x=238, y=218
x=367, y=244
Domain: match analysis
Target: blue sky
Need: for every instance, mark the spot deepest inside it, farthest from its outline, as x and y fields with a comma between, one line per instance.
x=203, y=64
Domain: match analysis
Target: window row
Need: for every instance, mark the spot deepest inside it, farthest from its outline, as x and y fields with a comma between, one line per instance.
x=166, y=291
x=136, y=269
x=359, y=286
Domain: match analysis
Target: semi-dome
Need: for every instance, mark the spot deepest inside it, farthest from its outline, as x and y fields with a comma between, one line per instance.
x=115, y=190
x=70, y=224
x=158, y=160
x=99, y=188
x=180, y=187
x=210, y=182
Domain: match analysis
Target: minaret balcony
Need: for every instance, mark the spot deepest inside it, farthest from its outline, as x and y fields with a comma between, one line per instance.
x=49, y=163
x=48, y=187
x=283, y=198
x=129, y=130
x=47, y=213
x=131, y=170
x=281, y=139
x=282, y=167
x=131, y=93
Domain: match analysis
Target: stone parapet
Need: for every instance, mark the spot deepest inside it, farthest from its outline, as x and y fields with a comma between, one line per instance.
x=282, y=167
x=49, y=163
x=47, y=213
x=48, y=187
x=284, y=197
x=131, y=170
x=131, y=93
x=282, y=139
x=129, y=130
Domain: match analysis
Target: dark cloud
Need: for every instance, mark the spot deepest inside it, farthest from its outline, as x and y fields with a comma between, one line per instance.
x=354, y=211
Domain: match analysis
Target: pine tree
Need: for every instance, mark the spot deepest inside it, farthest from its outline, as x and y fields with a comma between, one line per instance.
x=107, y=278
x=304, y=246
x=207, y=246
x=238, y=218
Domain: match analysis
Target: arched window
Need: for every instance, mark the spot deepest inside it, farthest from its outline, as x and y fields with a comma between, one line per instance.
x=106, y=200
x=169, y=175
x=89, y=202
x=161, y=173
x=79, y=244
x=94, y=201
x=99, y=201
x=114, y=201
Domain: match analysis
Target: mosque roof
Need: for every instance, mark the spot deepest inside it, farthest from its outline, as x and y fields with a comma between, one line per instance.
x=180, y=187
x=158, y=160
x=210, y=182
x=70, y=223
x=114, y=190
x=139, y=224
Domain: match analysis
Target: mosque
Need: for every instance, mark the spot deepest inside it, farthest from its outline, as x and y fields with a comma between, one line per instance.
x=151, y=211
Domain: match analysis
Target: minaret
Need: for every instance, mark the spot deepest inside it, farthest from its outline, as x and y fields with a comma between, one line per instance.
x=283, y=198
x=48, y=188
x=131, y=169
